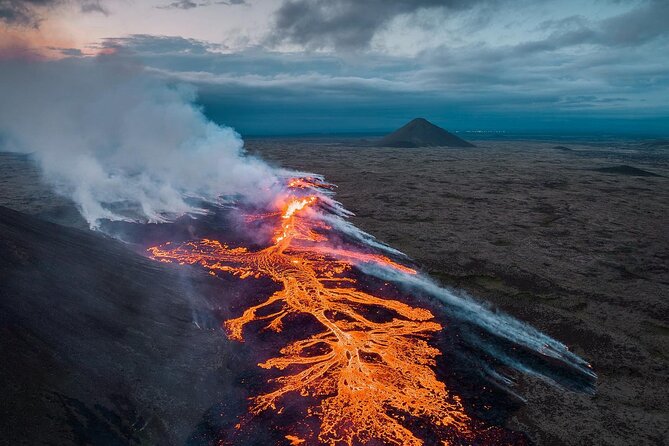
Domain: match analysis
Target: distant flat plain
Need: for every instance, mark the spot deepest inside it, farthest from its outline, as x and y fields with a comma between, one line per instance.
x=529, y=226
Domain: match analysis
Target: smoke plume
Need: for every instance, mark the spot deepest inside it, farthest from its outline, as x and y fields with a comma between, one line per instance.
x=122, y=144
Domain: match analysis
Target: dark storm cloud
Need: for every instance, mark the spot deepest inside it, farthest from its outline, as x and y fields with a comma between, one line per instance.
x=349, y=24
x=29, y=12
x=346, y=24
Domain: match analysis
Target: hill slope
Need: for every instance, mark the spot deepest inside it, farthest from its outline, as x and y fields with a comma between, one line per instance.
x=624, y=169
x=98, y=343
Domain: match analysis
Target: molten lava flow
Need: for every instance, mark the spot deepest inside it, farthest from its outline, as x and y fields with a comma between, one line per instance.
x=371, y=379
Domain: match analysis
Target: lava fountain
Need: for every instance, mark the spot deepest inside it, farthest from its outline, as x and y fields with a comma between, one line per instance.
x=367, y=378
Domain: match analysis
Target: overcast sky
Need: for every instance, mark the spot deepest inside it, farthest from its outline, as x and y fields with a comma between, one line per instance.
x=303, y=66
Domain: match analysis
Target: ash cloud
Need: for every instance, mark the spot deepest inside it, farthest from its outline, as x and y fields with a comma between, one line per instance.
x=122, y=144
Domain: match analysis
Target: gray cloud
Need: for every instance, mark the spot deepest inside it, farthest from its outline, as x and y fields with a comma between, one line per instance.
x=189, y=4
x=635, y=27
x=476, y=74
x=573, y=68
x=69, y=52
x=180, y=4
x=476, y=84
x=147, y=45
x=23, y=12
x=346, y=24
x=351, y=24
x=29, y=12
x=93, y=6
x=639, y=25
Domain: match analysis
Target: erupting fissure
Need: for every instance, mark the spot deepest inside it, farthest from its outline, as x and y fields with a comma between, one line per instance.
x=370, y=379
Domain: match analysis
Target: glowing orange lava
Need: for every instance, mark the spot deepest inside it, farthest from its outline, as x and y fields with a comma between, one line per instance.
x=370, y=378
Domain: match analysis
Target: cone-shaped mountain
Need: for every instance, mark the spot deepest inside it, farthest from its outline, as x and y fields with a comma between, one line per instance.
x=422, y=133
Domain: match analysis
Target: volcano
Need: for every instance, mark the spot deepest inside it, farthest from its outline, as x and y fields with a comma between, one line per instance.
x=420, y=132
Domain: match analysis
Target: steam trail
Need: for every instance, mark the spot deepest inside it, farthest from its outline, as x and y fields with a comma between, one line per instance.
x=123, y=145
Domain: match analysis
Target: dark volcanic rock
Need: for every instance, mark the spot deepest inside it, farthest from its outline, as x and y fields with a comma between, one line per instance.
x=627, y=170
x=422, y=133
x=98, y=343
x=656, y=144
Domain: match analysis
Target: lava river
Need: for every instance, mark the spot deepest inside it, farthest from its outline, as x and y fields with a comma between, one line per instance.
x=367, y=380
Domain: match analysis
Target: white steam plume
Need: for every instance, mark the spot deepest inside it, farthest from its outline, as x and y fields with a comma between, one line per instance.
x=120, y=143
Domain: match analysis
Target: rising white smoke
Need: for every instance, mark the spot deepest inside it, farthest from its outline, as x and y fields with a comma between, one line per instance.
x=120, y=143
